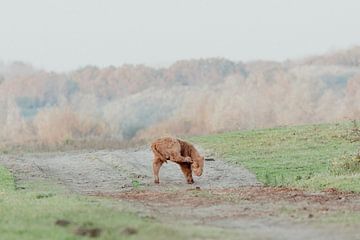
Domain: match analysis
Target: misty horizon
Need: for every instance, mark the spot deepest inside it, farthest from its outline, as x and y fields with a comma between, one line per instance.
x=169, y=64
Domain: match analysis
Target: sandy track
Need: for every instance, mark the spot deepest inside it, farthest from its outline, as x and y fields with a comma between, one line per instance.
x=118, y=171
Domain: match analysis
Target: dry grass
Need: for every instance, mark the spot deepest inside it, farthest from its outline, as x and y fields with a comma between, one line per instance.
x=346, y=164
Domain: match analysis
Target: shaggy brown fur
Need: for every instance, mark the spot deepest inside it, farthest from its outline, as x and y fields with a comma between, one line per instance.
x=180, y=152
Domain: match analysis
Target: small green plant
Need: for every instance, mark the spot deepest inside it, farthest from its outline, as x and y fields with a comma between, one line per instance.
x=283, y=183
x=267, y=181
x=68, y=141
x=4, y=151
x=274, y=180
x=135, y=183
x=44, y=195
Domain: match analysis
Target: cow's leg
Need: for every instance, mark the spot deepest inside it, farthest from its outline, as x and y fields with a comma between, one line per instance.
x=156, y=169
x=176, y=157
x=186, y=169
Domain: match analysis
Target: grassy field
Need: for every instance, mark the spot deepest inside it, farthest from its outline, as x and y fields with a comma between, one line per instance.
x=314, y=157
x=32, y=213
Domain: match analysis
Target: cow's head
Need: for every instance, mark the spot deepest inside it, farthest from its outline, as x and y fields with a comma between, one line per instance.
x=198, y=165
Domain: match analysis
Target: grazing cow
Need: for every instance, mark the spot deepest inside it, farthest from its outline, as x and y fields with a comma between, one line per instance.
x=180, y=152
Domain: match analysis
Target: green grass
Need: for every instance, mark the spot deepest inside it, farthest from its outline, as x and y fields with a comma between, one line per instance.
x=6, y=181
x=298, y=156
x=32, y=213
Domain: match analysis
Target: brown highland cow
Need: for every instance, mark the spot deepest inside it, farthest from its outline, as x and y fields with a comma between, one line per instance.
x=180, y=152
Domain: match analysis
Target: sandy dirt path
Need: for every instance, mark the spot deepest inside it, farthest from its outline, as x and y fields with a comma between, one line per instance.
x=118, y=171
x=226, y=196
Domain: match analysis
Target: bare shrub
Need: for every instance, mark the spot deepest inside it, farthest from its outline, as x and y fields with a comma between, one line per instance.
x=57, y=125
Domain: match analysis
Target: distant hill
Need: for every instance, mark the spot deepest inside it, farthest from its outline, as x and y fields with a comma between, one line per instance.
x=189, y=97
x=349, y=58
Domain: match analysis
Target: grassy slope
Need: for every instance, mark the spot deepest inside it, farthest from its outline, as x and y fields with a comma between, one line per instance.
x=31, y=214
x=297, y=156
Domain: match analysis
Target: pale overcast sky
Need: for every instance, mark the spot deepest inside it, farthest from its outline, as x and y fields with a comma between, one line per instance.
x=65, y=34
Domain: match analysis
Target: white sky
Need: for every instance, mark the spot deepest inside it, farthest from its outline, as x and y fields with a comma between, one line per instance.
x=65, y=34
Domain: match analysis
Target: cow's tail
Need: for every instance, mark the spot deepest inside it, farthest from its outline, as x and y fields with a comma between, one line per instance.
x=155, y=150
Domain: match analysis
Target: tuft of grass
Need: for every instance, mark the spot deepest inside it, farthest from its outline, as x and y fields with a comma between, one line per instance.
x=354, y=133
x=44, y=195
x=6, y=181
x=347, y=183
x=346, y=164
x=298, y=156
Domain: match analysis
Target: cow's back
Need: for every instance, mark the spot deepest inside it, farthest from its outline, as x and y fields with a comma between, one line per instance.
x=165, y=147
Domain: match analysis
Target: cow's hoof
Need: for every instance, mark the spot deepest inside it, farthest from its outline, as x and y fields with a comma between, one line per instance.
x=190, y=181
x=157, y=181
